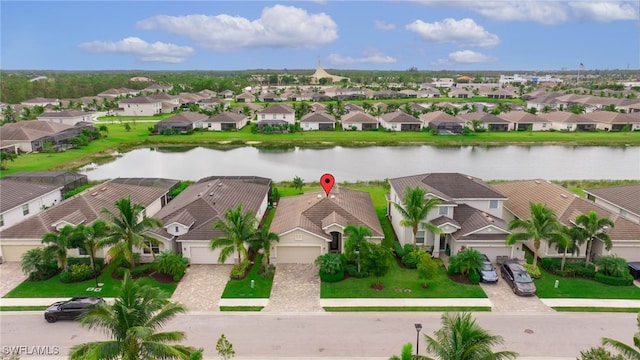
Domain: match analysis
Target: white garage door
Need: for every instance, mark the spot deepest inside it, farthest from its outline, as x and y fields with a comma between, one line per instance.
x=204, y=255
x=493, y=252
x=14, y=252
x=297, y=254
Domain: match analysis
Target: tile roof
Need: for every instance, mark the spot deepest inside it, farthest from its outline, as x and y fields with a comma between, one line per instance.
x=185, y=117
x=317, y=117
x=226, y=117
x=277, y=109
x=471, y=220
x=522, y=117
x=313, y=210
x=626, y=197
x=484, y=117
x=612, y=117
x=139, y=100
x=200, y=205
x=565, y=204
x=89, y=203
x=63, y=114
x=565, y=117
x=447, y=185
x=400, y=117
x=17, y=193
x=358, y=117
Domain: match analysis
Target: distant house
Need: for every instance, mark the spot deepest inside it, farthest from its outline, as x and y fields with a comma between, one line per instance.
x=399, y=121
x=358, y=121
x=623, y=200
x=20, y=200
x=170, y=103
x=182, y=122
x=566, y=121
x=268, y=97
x=523, y=120
x=29, y=136
x=189, y=218
x=614, y=121
x=68, y=180
x=277, y=114
x=157, y=88
x=501, y=94
x=442, y=122
x=245, y=97
x=85, y=208
x=459, y=93
x=116, y=93
x=39, y=102
x=139, y=106
x=226, y=121
x=69, y=117
x=313, y=224
x=226, y=94
x=349, y=108
x=492, y=122
x=318, y=121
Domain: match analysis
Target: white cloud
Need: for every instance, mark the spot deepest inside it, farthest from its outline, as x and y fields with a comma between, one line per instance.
x=371, y=56
x=604, y=11
x=463, y=32
x=464, y=57
x=383, y=25
x=278, y=26
x=144, y=51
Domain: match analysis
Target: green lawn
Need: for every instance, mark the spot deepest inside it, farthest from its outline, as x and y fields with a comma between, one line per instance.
x=241, y=289
x=595, y=309
x=407, y=308
x=401, y=283
x=54, y=288
x=580, y=288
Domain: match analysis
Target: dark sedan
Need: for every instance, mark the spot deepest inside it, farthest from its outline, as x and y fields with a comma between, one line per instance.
x=518, y=278
x=70, y=309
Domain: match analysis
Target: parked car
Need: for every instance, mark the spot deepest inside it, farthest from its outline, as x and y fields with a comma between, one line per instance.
x=488, y=272
x=518, y=278
x=70, y=309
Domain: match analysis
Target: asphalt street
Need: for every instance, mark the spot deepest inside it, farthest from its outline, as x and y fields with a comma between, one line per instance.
x=341, y=335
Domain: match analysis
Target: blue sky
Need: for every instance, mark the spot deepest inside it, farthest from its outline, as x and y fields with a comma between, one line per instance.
x=362, y=35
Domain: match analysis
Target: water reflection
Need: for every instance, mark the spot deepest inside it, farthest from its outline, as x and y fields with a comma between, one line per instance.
x=377, y=162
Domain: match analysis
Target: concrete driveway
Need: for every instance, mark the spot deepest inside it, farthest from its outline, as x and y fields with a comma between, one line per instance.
x=296, y=288
x=504, y=300
x=201, y=287
x=11, y=275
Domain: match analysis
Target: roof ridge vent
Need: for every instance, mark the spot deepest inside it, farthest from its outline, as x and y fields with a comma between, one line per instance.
x=564, y=195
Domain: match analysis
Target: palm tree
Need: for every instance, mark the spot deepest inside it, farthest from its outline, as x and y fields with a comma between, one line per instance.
x=415, y=209
x=476, y=124
x=542, y=225
x=627, y=351
x=87, y=238
x=132, y=323
x=238, y=227
x=405, y=354
x=461, y=338
x=126, y=230
x=356, y=239
x=58, y=244
x=594, y=227
x=262, y=239
x=570, y=243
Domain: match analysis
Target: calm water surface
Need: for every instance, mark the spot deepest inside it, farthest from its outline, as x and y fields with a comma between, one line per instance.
x=377, y=162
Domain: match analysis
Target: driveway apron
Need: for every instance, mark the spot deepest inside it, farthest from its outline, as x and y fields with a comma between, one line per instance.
x=296, y=288
x=201, y=287
x=504, y=300
x=11, y=275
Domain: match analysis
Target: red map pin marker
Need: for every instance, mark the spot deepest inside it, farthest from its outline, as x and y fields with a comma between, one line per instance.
x=327, y=181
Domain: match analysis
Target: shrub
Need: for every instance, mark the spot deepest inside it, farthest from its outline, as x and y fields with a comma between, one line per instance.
x=534, y=272
x=39, y=264
x=77, y=273
x=611, y=265
x=172, y=264
x=331, y=263
x=427, y=267
x=99, y=262
x=239, y=271
x=398, y=249
x=473, y=276
x=625, y=280
x=465, y=261
x=136, y=272
x=412, y=258
x=267, y=271
x=407, y=248
x=352, y=270
x=335, y=277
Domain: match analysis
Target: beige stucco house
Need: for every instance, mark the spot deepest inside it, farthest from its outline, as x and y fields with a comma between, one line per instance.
x=69, y=117
x=139, y=106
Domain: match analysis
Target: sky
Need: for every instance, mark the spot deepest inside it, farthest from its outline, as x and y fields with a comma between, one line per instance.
x=339, y=34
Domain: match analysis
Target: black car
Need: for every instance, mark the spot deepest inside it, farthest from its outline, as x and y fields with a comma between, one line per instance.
x=70, y=309
x=487, y=272
x=518, y=278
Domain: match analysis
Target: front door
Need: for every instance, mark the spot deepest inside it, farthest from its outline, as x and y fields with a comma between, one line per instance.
x=335, y=247
x=443, y=242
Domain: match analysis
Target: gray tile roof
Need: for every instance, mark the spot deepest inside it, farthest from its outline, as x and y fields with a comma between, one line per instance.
x=522, y=117
x=450, y=186
x=139, y=100
x=472, y=220
x=611, y=117
x=313, y=210
x=277, y=109
x=566, y=117
x=400, y=117
x=483, y=116
x=626, y=197
x=227, y=117
x=186, y=117
x=358, y=117
x=17, y=193
x=30, y=130
x=63, y=114
x=317, y=117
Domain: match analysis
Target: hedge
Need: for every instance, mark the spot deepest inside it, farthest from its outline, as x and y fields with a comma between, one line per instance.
x=625, y=280
x=330, y=278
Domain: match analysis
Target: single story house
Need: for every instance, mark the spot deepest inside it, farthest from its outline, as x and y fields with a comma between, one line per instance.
x=492, y=122
x=399, y=121
x=226, y=121
x=523, y=120
x=615, y=121
x=318, y=121
x=623, y=200
x=625, y=234
x=245, y=97
x=358, y=121
x=442, y=122
x=312, y=224
x=32, y=135
x=189, y=218
x=67, y=180
x=566, y=121
x=182, y=122
x=469, y=215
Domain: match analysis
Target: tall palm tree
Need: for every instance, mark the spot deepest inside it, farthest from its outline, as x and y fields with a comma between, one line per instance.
x=238, y=227
x=262, y=239
x=87, y=236
x=542, y=225
x=461, y=338
x=627, y=351
x=132, y=323
x=594, y=227
x=58, y=244
x=415, y=209
x=568, y=244
x=126, y=230
x=356, y=239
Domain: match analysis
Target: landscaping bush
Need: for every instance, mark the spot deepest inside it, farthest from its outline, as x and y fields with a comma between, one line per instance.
x=239, y=271
x=330, y=278
x=136, y=272
x=331, y=263
x=573, y=267
x=39, y=264
x=352, y=270
x=46, y=272
x=76, y=273
x=473, y=276
x=398, y=249
x=625, y=280
x=533, y=272
x=412, y=258
x=613, y=266
x=407, y=248
x=99, y=262
x=267, y=271
x=172, y=264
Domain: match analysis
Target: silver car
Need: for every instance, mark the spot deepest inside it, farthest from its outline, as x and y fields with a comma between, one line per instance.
x=488, y=272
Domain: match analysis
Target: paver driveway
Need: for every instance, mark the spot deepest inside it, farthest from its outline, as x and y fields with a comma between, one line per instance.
x=201, y=287
x=11, y=275
x=296, y=288
x=504, y=300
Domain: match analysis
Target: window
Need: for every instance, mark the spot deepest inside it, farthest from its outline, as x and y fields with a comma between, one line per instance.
x=443, y=210
x=1, y=220
x=82, y=251
x=177, y=229
x=25, y=209
x=493, y=204
x=154, y=248
x=420, y=237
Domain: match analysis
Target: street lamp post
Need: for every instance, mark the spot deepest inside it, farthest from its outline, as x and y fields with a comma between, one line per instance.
x=418, y=328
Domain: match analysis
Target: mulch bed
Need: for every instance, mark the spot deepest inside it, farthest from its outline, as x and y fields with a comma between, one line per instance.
x=459, y=278
x=159, y=277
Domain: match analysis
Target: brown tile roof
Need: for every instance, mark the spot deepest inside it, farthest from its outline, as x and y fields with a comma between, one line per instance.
x=277, y=109
x=317, y=117
x=226, y=117
x=358, y=117
x=30, y=130
x=200, y=205
x=612, y=117
x=139, y=100
x=63, y=114
x=313, y=210
x=522, y=117
x=448, y=186
x=185, y=117
x=17, y=193
x=626, y=197
x=565, y=204
x=471, y=220
x=565, y=117
x=89, y=203
x=400, y=117
x=483, y=116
